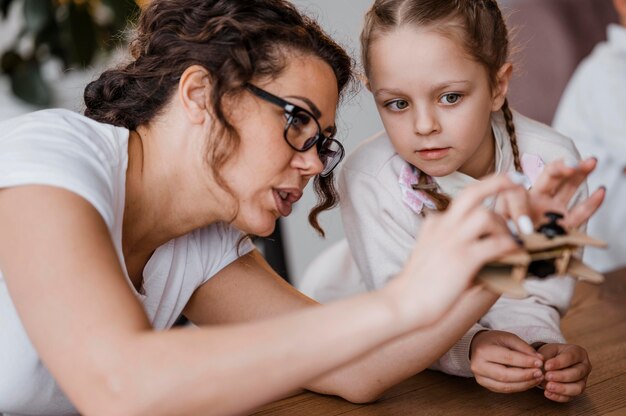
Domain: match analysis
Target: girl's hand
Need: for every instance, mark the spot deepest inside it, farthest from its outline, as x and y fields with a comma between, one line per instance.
x=450, y=250
x=566, y=370
x=504, y=363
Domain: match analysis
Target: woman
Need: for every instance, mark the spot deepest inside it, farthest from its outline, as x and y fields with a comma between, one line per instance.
x=115, y=223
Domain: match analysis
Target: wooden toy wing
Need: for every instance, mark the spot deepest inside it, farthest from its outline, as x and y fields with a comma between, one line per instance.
x=583, y=272
x=580, y=239
x=539, y=242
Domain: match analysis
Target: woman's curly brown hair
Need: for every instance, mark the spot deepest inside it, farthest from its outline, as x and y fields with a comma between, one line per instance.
x=236, y=42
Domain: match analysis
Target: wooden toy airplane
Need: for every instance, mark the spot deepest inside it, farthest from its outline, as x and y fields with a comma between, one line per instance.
x=549, y=251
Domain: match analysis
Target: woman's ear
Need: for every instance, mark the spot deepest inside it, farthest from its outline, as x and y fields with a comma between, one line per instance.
x=194, y=88
x=503, y=77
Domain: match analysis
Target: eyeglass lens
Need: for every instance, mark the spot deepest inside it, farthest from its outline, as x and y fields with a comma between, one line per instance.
x=330, y=153
x=303, y=132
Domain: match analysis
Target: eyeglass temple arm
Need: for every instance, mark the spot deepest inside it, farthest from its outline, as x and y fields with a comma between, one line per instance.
x=271, y=98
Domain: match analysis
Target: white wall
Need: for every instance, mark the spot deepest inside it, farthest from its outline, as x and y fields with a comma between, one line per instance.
x=357, y=120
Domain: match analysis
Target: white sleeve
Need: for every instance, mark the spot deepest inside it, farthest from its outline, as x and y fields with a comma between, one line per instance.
x=456, y=361
x=44, y=151
x=220, y=244
x=535, y=318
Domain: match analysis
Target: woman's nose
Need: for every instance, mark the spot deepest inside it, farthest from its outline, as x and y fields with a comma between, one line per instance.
x=309, y=162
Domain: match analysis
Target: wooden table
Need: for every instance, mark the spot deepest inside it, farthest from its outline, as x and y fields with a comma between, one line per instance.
x=596, y=321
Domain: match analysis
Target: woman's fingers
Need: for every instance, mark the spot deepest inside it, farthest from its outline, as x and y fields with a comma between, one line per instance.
x=492, y=248
x=515, y=204
x=476, y=194
x=479, y=223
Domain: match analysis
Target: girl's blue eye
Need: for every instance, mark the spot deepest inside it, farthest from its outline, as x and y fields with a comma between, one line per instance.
x=397, y=105
x=449, y=99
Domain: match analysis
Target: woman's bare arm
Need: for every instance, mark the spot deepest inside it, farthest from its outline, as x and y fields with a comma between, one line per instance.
x=249, y=290
x=65, y=280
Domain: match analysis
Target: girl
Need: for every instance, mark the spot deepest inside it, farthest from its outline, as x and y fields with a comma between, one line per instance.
x=439, y=74
x=115, y=223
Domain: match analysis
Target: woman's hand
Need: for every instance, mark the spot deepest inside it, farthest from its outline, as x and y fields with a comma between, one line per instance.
x=504, y=363
x=566, y=370
x=450, y=250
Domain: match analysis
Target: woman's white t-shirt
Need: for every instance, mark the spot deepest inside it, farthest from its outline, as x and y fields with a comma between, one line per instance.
x=64, y=149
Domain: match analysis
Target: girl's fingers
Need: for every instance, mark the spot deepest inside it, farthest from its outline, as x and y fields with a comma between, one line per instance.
x=515, y=343
x=504, y=374
x=579, y=214
x=556, y=397
x=571, y=374
x=511, y=358
x=572, y=182
x=566, y=358
x=552, y=177
x=566, y=389
x=562, y=181
x=502, y=387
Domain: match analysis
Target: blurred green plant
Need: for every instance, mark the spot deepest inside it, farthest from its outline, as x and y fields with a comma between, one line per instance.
x=71, y=31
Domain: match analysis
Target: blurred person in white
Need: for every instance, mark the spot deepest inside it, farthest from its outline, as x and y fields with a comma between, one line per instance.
x=592, y=112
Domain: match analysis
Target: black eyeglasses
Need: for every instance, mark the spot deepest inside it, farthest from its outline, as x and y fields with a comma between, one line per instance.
x=303, y=131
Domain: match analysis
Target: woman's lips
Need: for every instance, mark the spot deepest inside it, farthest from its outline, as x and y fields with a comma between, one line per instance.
x=285, y=198
x=433, y=154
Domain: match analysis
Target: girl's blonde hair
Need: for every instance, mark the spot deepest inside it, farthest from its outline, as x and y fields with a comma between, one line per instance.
x=478, y=25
